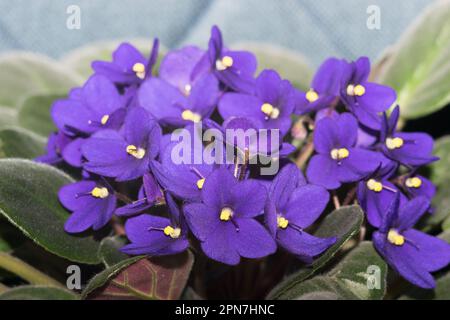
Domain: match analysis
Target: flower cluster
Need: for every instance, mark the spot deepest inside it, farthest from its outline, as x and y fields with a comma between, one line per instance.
x=117, y=130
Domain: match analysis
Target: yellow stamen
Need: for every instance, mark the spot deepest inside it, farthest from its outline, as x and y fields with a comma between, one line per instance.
x=104, y=119
x=200, y=183
x=226, y=214
x=139, y=69
x=359, y=90
x=282, y=222
x=224, y=63
x=172, y=232
x=136, y=152
x=414, y=182
x=374, y=185
x=394, y=143
x=100, y=192
x=312, y=95
x=270, y=110
x=395, y=238
x=339, y=154
x=188, y=115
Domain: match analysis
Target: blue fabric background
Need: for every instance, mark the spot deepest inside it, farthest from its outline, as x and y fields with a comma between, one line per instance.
x=315, y=28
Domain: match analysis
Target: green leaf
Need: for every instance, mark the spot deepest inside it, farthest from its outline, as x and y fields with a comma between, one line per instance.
x=29, y=200
x=38, y=293
x=343, y=223
x=23, y=74
x=109, y=252
x=34, y=114
x=419, y=67
x=291, y=65
x=439, y=169
x=20, y=143
x=359, y=275
x=162, y=278
x=81, y=59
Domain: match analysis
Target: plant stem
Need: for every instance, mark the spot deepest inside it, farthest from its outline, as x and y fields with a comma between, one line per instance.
x=25, y=271
x=336, y=201
x=304, y=155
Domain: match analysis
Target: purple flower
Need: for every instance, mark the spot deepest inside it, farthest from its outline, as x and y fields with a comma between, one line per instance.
x=411, y=149
x=338, y=161
x=364, y=99
x=124, y=156
x=270, y=107
x=324, y=88
x=154, y=235
x=224, y=220
x=129, y=66
x=97, y=106
x=92, y=204
x=150, y=194
x=411, y=253
x=417, y=185
x=185, y=175
x=57, y=142
x=291, y=207
x=234, y=69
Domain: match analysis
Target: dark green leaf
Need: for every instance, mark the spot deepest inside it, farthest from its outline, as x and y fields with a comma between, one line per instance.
x=419, y=67
x=20, y=143
x=29, y=200
x=162, y=278
x=38, y=293
x=23, y=74
x=343, y=223
x=109, y=252
x=291, y=65
x=359, y=275
x=34, y=114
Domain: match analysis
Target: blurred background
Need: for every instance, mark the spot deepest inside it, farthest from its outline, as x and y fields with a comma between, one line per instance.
x=317, y=29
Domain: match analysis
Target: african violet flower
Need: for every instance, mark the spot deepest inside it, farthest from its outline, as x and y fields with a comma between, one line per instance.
x=324, y=88
x=271, y=105
x=150, y=194
x=338, y=161
x=97, y=106
x=92, y=204
x=129, y=66
x=364, y=99
x=56, y=144
x=410, y=252
x=234, y=69
x=154, y=235
x=124, y=155
x=224, y=221
x=411, y=149
x=291, y=207
x=417, y=185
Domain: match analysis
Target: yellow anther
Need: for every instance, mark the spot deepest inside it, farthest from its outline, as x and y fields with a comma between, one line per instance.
x=104, y=119
x=188, y=115
x=200, y=183
x=312, y=95
x=414, y=182
x=224, y=63
x=136, y=152
x=282, y=222
x=374, y=185
x=172, y=232
x=359, y=90
x=395, y=238
x=139, y=69
x=394, y=143
x=339, y=154
x=100, y=192
x=226, y=214
x=270, y=110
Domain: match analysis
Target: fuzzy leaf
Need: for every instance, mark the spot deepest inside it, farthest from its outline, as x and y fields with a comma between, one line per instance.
x=161, y=278
x=38, y=293
x=343, y=223
x=109, y=252
x=419, y=67
x=8, y=116
x=28, y=199
x=20, y=143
